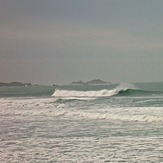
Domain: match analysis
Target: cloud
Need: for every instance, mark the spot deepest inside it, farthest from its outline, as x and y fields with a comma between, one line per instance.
x=75, y=38
x=78, y=36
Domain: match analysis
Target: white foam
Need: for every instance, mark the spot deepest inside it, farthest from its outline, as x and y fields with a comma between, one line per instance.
x=50, y=108
x=114, y=116
x=37, y=129
x=82, y=94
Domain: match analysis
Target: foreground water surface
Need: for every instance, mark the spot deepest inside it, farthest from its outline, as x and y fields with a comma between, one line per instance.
x=82, y=124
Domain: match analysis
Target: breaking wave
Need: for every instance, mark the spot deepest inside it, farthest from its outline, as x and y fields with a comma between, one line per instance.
x=118, y=91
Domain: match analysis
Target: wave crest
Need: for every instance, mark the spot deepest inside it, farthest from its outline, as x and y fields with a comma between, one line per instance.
x=120, y=90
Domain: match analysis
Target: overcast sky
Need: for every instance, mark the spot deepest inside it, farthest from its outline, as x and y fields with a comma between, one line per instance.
x=59, y=41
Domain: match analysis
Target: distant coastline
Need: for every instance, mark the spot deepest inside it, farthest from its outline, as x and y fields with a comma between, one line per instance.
x=14, y=84
x=91, y=82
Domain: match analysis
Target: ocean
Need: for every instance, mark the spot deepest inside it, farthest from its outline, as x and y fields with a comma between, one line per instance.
x=82, y=123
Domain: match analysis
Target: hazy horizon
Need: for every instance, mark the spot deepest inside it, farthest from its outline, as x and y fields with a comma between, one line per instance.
x=59, y=41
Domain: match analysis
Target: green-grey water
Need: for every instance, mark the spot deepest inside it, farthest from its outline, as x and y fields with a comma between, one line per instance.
x=72, y=123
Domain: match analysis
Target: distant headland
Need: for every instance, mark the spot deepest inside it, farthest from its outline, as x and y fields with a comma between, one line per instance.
x=14, y=84
x=91, y=82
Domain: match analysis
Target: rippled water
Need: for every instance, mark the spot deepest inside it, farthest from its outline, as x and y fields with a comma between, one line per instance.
x=51, y=130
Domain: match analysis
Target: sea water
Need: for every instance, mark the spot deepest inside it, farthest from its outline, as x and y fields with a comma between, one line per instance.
x=82, y=123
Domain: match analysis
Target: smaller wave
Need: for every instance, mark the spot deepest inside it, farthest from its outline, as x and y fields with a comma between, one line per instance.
x=120, y=117
x=149, y=116
x=72, y=99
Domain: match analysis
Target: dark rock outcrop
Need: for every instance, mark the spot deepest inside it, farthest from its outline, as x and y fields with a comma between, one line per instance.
x=78, y=83
x=14, y=84
x=96, y=82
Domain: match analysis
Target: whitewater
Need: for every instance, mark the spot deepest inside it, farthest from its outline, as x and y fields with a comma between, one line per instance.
x=82, y=123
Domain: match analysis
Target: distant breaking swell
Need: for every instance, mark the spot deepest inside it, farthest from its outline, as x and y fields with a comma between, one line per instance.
x=103, y=93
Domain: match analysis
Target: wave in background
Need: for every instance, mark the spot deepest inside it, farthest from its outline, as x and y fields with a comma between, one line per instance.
x=121, y=90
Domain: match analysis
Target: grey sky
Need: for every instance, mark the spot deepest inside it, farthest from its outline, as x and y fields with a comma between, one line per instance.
x=59, y=41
